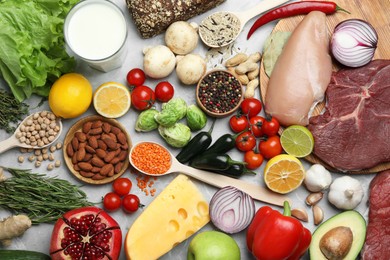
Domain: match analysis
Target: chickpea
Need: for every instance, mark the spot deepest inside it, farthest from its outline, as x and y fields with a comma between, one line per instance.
x=21, y=159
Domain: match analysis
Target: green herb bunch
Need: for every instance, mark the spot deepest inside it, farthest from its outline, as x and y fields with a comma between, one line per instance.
x=12, y=111
x=43, y=199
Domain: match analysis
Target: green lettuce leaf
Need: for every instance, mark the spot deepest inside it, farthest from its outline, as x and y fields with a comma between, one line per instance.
x=32, y=45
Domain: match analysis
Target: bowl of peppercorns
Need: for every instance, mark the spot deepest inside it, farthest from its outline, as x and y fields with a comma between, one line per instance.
x=219, y=93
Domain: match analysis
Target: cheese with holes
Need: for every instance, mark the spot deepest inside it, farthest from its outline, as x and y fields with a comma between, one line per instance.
x=175, y=214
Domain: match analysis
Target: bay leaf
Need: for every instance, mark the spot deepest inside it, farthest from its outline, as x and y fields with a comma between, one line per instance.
x=273, y=47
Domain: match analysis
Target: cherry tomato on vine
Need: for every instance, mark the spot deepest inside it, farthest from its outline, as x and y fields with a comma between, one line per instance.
x=245, y=141
x=111, y=201
x=256, y=124
x=142, y=97
x=136, y=77
x=253, y=159
x=131, y=203
x=164, y=91
x=251, y=107
x=271, y=127
x=238, y=123
x=122, y=186
x=270, y=147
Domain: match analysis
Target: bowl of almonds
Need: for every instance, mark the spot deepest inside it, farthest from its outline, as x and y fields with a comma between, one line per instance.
x=96, y=149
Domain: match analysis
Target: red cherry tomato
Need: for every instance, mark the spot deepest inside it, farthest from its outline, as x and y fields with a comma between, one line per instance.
x=164, y=91
x=251, y=107
x=122, y=186
x=270, y=147
x=245, y=141
x=256, y=124
x=142, y=98
x=253, y=159
x=238, y=123
x=111, y=201
x=271, y=127
x=136, y=77
x=130, y=203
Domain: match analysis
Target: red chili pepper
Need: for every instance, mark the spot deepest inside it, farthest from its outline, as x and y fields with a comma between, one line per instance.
x=296, y=8
x=272, y=235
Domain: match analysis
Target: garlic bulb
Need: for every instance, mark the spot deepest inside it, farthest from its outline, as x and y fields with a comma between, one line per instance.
x=317, y=178
x=346, y=193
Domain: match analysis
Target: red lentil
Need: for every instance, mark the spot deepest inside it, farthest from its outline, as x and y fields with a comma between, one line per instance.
x=151, y=158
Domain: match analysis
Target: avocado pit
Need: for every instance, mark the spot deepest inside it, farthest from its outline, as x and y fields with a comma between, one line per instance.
x=336, y=243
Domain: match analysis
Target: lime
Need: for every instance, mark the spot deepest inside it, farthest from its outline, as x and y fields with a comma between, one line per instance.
x=297, y=140
x=284, y=173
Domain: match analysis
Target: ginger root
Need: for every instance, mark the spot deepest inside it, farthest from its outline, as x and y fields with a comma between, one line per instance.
x=12, y=227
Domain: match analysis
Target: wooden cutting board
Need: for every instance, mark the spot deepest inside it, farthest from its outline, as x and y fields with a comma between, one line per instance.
x=375, y=12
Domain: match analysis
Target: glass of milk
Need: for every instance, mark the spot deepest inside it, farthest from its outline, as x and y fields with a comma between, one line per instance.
x=96, y=32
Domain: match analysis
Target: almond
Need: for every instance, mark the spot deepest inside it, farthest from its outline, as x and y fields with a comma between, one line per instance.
x=96, y=169
x=89, y=149
x=69, y=150
x=106, y=169
x=92, y=141
x=74, y=158
x=85, y=166
x=81, y=136
x=111, y=172
x=124, y=146
x=95, y=131
x=115, y=160
x=102, y=145
x=110, y=143
x=118, y=167
x=97, y=124
x=122, y=138
x=106, y=127
x=109, y=156
x=115, y=130
x=75, y=143
x=86, y=127
x=113, y=137
x=80, y=154
x=86, y=174
x=95, y=161
x=98, y=176
x=76, y=167
x=122, y=155
x=87, y=157
x=101, y=153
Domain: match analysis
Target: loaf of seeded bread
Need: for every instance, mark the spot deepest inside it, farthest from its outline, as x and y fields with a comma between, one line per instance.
x=153, y=17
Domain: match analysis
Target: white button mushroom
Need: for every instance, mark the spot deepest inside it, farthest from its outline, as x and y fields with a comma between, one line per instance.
x=159, y=61
x=345, y=193
x=181, y=37
x=190, y=68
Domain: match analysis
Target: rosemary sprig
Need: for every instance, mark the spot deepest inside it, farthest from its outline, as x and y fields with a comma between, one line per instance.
x=44, y=199
x=12, y=111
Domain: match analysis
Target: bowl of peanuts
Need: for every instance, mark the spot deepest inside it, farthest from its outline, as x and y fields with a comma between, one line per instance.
x=96, y=149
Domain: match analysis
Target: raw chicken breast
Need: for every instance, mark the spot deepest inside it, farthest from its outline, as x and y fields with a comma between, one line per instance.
x=301, y=73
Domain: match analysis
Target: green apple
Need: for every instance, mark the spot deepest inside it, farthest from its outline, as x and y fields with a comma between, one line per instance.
x=213, y=245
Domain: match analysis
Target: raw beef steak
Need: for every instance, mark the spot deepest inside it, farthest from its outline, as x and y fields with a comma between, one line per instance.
x=377, y=242
x=354, y=131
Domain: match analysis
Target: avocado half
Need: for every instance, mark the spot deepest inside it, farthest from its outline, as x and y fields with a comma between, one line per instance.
x=352, y=219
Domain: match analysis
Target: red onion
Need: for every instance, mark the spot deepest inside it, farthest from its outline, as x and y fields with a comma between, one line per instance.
x=354, y=42
x=231, y=210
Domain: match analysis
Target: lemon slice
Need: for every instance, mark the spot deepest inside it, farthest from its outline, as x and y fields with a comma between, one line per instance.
x=297, y=140
x=284, y=173
x=111, y=100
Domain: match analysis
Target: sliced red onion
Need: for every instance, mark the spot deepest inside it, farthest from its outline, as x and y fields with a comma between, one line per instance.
x=231, y=210
x=354, y=42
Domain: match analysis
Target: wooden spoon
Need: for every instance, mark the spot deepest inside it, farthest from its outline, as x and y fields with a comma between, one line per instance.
x=13, y=141
x=241, y=17
x=255, y=191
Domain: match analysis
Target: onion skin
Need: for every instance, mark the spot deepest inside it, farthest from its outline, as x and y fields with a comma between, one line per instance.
x=354, y=42
x=231, y=210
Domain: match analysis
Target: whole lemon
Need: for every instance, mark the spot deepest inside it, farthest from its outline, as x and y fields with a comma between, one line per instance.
x=70, y=96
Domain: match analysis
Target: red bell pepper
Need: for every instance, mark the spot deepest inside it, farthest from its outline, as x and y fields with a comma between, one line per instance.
x=272, y=235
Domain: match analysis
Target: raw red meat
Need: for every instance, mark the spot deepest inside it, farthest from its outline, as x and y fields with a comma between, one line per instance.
x=353, y=133
x=377, y=244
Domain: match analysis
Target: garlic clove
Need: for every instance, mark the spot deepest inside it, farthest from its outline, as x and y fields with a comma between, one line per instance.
x=314, y=198
x=300, y=214
x=318, y=214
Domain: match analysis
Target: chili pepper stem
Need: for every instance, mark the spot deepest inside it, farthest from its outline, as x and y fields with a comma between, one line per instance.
x=286, y=209
x=338, y=8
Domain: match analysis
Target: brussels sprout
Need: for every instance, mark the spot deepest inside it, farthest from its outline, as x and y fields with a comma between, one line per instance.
x=177, y=135
x=145, y=121
x=172, y=111
x=196, y=118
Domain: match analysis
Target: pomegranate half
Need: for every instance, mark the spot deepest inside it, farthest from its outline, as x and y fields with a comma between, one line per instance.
x=86, y=233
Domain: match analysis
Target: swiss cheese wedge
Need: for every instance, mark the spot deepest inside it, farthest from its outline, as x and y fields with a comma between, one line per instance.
x=174, y=215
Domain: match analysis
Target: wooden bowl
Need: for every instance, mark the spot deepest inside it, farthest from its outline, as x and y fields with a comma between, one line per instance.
x=218, y=96
x=77, y=127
